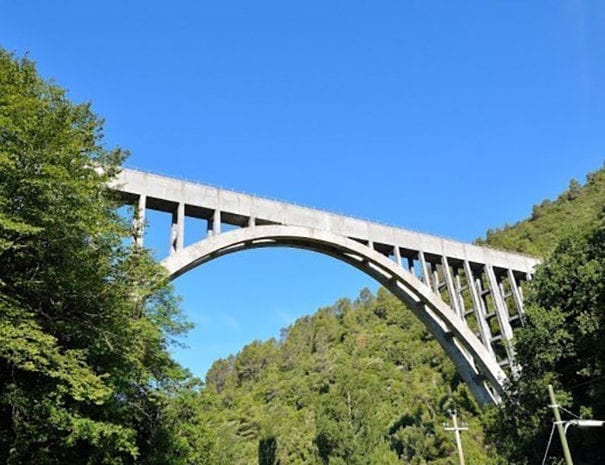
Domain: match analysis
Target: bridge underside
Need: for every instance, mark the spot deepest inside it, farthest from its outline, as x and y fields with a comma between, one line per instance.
x=469, y=297
x=480, y=371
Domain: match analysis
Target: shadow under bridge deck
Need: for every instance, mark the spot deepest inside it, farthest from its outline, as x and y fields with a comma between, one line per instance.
x=469, y=297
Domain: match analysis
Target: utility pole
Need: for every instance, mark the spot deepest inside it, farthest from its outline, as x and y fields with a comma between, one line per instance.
x=456, y=429
x=559, y=423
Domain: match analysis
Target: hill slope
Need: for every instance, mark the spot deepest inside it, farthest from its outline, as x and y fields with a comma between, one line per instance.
x=579, y=207
x=358, y=383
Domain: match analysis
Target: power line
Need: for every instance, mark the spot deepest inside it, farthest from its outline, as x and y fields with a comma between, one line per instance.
x=567, y=411
x=583, y=383
x=552, y=431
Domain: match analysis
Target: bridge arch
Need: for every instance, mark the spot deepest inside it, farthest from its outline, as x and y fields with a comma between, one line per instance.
x=474, y=363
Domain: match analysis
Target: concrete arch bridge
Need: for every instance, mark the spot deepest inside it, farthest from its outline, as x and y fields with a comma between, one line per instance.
x=469, y=297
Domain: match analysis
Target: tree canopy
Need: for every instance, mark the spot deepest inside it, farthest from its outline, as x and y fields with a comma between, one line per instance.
x=359, y=382
x=85, y=320
x=562, y=345
x=562, y=341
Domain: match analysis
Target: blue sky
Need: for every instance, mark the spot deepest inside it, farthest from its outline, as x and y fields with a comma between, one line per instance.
x=440, y=116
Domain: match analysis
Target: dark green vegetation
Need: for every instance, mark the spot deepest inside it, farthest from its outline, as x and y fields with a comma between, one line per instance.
x=85, y=376
x=357, y=383
x=363, y=383
x=563, y=342
x=86, y=322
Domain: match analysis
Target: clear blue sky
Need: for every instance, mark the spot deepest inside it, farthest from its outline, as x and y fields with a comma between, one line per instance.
x=446, y=117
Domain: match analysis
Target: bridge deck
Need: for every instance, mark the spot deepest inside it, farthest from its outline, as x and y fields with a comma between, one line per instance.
x=469, y=297
x=201, y=201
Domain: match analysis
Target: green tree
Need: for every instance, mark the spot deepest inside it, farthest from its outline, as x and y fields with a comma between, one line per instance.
x=85, y=321
x=562, y=345
x=358, y=383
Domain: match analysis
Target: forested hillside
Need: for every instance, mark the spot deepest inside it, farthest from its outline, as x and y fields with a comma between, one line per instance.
x=357, y=383
x=364, y=383
x=86, y=323
x=576, y=209
x=561, y=342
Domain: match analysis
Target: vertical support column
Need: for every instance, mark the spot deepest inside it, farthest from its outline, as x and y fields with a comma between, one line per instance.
x=517, y=296
x=458, y=285
x=216, y=221
x=251, y=221
x=528, y=277
x=397, y=253
x=174, y=232
x=426, y=278
x=180, y=221
x=411, y=266
x=177, y=231
x=214, y=224
x=449, y=282
x=484, y=330
x=502, y=314
x=435, y=273
x=139, y=221
x=504, y=296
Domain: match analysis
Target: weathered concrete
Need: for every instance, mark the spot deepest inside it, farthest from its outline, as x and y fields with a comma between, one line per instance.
x=438, y=278
x=445, y=325
x=166, y=194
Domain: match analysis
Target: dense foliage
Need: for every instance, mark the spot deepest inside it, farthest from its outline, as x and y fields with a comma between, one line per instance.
x=85, y=321
x=562, y=341
x=357, y=383
x=562, y=344
x=578, y=208
x=363, y=383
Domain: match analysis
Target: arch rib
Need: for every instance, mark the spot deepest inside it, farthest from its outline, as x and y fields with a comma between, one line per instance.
x=477, y=366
